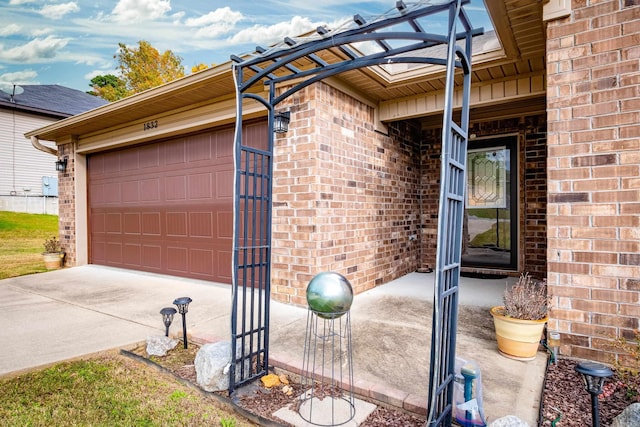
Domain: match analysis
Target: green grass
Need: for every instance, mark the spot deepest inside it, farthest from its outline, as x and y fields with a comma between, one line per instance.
x=21, y=239
x=109, y=390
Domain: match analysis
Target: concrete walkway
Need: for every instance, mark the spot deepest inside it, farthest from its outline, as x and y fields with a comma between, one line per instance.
x=73, y=312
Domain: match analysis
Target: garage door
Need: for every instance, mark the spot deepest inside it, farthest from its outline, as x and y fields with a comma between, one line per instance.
x=166, y=207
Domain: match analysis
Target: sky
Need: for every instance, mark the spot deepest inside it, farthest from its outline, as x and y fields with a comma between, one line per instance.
x=70, y=42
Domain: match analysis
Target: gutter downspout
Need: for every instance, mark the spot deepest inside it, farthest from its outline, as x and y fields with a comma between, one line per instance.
x=36, y=143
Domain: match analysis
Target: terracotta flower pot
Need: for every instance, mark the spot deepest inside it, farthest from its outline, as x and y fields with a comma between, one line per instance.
x=517, y=338
x=53, y=260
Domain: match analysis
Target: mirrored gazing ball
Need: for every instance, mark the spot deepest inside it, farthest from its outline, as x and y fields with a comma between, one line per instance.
x=329, y=294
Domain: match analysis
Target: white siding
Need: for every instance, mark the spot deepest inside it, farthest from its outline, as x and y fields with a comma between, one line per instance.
x=23, y=166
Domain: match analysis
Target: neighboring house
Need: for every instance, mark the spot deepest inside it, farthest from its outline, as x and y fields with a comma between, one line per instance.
x=554, y=171
x=28, y=178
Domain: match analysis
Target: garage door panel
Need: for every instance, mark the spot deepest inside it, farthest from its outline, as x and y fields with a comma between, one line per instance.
x=149, y=156
x=175, y=188
x=201, y=225
x=151, y=224
x=132, y=255
x=177, y=258
x=113, y=223
x=132, y=223
x=111, y=193
x=198, y=148
x=166, y=207
x=152, y=257
x=150, y=190
x=113, y=253
x=224, y=225
x=174, y=152
x=200, y=186
x=201, y=261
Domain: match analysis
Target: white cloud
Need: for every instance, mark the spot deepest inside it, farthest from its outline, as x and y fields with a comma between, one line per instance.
x=215, y=24
x=19, y=77
x=140, y=10
x=15, y=2
x=10, y=30
x=42, y=31
x=267, y=35
x=34, y=51
x=57, y=11
x=220, y=15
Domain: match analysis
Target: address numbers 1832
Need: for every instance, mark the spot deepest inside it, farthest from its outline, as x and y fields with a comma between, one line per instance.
x=151, y=125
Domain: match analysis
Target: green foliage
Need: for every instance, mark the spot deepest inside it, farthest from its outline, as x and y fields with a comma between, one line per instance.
x=144, y=67
x=627, y=364
x=227, y=422
x=141, y=68
x=108, y=87
x=21, y=237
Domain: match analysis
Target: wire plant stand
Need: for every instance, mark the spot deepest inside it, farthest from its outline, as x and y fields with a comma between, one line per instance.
x=327, y=370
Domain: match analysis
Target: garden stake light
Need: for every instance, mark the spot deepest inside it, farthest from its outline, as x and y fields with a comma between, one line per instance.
x=183, y=307
x=594, y=375
x=167, y=318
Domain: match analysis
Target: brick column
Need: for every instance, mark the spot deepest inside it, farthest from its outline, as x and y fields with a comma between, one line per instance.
x=593, y=107
x=345, y=196
x=67, y=205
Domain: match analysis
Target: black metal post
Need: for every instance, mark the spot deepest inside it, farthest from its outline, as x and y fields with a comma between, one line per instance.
x=183, y=307
x=594, y=375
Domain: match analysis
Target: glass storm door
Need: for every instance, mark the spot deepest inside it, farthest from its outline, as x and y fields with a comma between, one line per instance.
x=490, y=223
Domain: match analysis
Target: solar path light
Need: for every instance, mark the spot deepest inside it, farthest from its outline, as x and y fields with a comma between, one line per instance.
x=183, y=306
x=167, y=318
x=594, y=375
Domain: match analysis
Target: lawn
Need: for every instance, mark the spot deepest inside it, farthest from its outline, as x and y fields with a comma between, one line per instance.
x=21, y=239
x=108, y=390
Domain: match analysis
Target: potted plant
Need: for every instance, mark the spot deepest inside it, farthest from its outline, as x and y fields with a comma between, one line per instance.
x=519, y=323
x=53, y=253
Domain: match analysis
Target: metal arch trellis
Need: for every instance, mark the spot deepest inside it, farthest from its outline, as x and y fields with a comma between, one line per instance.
x=293, y=65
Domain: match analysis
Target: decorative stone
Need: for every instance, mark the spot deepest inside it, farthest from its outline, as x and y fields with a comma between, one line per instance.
x=270, y=380
x=212, y=365
x=329, y=295
x=509, y=421
x=159, y=345
x=629, y=417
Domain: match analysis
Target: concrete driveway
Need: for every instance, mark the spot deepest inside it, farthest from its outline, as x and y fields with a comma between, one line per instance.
x=69, y=313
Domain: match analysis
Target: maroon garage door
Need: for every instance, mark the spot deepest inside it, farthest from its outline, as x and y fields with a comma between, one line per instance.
x=166, y=207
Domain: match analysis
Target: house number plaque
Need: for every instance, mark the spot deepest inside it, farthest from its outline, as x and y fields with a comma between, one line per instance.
x=150, y=125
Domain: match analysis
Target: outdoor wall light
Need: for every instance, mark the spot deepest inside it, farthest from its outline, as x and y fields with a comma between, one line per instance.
x=61, y=165
x=281, y=122
x=167, y=318
x=183, y=307
x=594, y=375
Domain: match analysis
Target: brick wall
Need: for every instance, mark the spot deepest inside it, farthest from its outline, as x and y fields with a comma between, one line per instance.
x=67, y=205
x=593, y=106
x=345, y=196
x=531, y=131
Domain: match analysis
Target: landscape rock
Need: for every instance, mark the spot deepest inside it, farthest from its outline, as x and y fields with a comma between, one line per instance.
x=159, y=345
x=212, y=364
x=271, y=380
x=630, y=417
x=509, y=421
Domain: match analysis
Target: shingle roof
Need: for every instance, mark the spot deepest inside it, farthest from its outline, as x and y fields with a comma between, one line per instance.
x=51, y=100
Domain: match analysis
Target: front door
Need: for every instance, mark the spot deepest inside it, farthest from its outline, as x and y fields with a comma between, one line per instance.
x=490, y=226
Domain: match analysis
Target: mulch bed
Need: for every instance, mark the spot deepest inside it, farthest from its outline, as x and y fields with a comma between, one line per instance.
x=564, y=398
x=262, y=401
